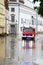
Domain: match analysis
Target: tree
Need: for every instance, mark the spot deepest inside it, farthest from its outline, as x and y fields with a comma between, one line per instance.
x=35, y=1
x=40, y=9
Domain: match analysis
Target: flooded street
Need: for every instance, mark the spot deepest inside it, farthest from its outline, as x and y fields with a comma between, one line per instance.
x=12, y=50
x=2, y=50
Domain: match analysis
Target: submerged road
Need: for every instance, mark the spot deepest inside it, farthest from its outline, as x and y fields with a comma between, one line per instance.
x=17, y=55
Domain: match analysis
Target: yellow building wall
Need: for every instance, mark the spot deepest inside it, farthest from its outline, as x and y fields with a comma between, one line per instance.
x=2, y=28
x=2, y=1
x=2, y=48
x=2, y=17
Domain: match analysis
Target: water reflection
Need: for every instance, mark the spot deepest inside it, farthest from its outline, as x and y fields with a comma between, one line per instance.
x=2, y=50
x=11, y=48
x=15, y=50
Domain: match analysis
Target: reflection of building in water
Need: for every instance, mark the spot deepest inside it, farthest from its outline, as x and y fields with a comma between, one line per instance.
x=38, y=44
x=1, y=45
x=11, y=47
x=2, y=50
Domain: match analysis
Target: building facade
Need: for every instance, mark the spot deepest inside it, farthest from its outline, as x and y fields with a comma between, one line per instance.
x=40, y=24
x=21, y=13
x=2, y=31
x=2, y=17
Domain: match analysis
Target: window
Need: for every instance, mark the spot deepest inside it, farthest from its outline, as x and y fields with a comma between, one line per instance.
x=22, y=1
x=32, y=20
x=27, y=30
x=21, y=28
x=12, y=17
x=13, y=29
x=39, y=22
x=13, y=0
x=21, y=20
x=12, y=9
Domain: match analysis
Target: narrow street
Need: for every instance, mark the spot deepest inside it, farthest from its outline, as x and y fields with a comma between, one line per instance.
x=21, y=32
x=20, y=54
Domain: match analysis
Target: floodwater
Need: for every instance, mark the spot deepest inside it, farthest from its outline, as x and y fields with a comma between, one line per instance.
x=2, y=50
x=11, y=48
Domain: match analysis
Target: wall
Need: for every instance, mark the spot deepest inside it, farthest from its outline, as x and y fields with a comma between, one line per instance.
x=2, y=30
x=40, y=24
x=2, y=16
x=26, y=14
x=2, y=50
x=9, y=23
x=29, y=3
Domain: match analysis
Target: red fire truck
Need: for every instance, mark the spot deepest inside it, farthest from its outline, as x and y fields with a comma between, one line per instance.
x=28, y=33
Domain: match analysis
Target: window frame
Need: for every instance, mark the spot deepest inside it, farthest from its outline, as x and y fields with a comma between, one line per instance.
x=12, y=9
x=13, y=29
x=12, y=17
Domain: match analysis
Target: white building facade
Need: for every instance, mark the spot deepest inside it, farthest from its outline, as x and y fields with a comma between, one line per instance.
x=21, y=13
x=40, y=24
